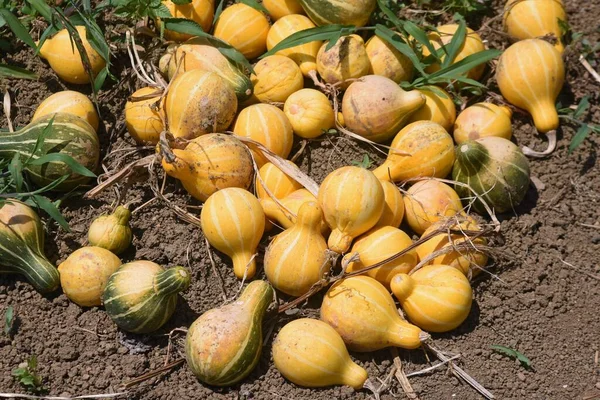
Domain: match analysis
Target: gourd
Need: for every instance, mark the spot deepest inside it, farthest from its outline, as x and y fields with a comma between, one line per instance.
x=436, y=298
x=291, y=204
x=377, y=245
x=199, y=11
x=438, y=107
x=530, y=75
x=305, y=55
x=22, y=246
x=310, y=353
x=68, y=135
x=297, y=258
x=363, y=313
x=310, y=113
x=280, y=8
x=199, y=102
x=65, y=60
x=244, y=28
x=277, y=182
x=233, y=222
x=429, y=201
x=528, y=19
x=387, y=61
x=141, y=295
x=329, y=12
x=275, y=78
x=430, y=149
x=496, y=169
x=352, y=201
x=224, y=344
x=483, y=119
x=268, y=125
x=145, y=115
x=346, y=60
x=84, y=274
x=393, y=209
x=112, y=231
x=209, y=163
x=70, y=102
x=376, y=108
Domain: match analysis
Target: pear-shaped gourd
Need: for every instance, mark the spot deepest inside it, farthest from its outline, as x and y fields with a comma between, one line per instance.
x=224, y=344
x=352, y=201
x=438, y=107
x=436, y=298
x=277, y=182
x=344, y=61
x=141, y=295
x=22, y=246
x=310, y=113
x=387, y=61
x=233, y=222
x=112, y=231
x=310, y=353
x=376, y=108
x=393, y=210
x=482, y=119
x=284, y=213
x=363, y=312
x=297, y=258
x=530, y=75
x=70, y=102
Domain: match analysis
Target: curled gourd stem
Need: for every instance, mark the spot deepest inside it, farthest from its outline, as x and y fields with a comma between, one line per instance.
x=551, y=135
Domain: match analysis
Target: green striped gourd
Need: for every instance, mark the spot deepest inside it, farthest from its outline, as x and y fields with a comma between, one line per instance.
x=69, y=135
x=22, y=246
x=141, y=295
x=345, y=12
x=224, y=345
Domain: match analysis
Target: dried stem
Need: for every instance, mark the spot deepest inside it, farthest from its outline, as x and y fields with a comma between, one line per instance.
x=154, y=373
x=401, y=376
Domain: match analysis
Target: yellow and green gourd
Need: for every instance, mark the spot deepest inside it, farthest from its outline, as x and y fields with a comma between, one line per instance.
x=112, y=231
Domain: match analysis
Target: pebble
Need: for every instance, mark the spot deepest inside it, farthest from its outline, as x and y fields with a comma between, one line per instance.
x=598, y=385
x=521, y=376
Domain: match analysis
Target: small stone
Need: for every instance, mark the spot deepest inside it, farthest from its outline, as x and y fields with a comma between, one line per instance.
x=598, y=385
x=521, y=376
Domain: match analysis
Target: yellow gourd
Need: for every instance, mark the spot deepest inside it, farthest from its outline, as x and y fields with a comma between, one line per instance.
x=280, y=8
x=377, y=245
x=346, y=60
x=297, y=258
x=376, y=108
x=430, y=149
x=144, y=115
x=352, y=201
x=528, y=19
x=305, y=55
x=291, y=204
x=275, y=78
x=279, y=184
x=268, y=125
x=393, y=210
x=112, y=231
x=70, y=102
x=310, y=353
x=233, y=222
x=63, y=56
x=438, y=107
x=429, y=201
x=386, y=61
x=244, y=28
x=210, y=163
x=363, y=312
x=481, y=120
x=436, y=298
x=199, y=11
x=310, y=113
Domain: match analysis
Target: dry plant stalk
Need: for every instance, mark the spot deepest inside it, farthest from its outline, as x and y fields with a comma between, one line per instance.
x=401, y=376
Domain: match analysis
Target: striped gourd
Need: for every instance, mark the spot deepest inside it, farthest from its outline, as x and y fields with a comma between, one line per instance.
x=145, y=115
x=199, y=11
x=482, y=119
x=224, y=344
x=245, y=28
x=528, y=19
x=276, y=181
x=69, y=135
x=345, y=12
x=280, y=8
x=310, y=353
x=393, y=210
x=22, y=246
x=141, y=295
x=352, y=201
x=310, y=113
x=70, y=102
x=429, y=201
x=284, y=212
x=436, y=298
x=363, y=312
x=438, y=107
x=387, y=61
x=233, y=221
x=275, y=78
x=422, y=149
x=343, y=62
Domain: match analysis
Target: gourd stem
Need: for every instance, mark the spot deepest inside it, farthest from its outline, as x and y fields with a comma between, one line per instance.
x=171, y=281
x=540, y=154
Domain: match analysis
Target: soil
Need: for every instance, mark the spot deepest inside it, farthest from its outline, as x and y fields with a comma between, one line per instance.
x=541, y=297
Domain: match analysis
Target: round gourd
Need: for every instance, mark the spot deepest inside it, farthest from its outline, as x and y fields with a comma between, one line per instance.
x=393, y=210
x=275, y=78
x=70, y=102
x=529, y=19
x=112, y=231
x=245, y=28
x=438, y=107
x=279, y=184
x=199, y=11
x=386, y=61
x=310, y=113
x=483, y=119
x=285, y=215
x=144, y=115
x=346, y=60
x=280, y=8
x=348, y=12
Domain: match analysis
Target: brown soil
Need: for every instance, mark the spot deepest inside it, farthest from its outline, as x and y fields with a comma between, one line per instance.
x=535, y=303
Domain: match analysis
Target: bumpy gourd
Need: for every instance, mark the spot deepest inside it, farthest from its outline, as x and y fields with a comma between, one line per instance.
x=430, y=149
x=297, y=258
x=347, y=59
x=436, y=298
x=209, y=163
x=387, y=61
x=377, y=245
x=528, y=19
x=84, y=274
x=393, y=210
x=348, y=12
x=363, y=312
x=233, y=221
x=438, y=107
x=141, y=295
x=22, y=246
x=275, y=78
x=112, y=231
x=352, y=201
x=376, y=108
x=310, y=113
x=244, y=28
x=64, y=57
x=280, y=8
x=70, y=102
x=482, y=119
x=277, y=182
x=224, y=344
x=285, y=216
x=145, y=115
x=310, y=353
x=199, y=11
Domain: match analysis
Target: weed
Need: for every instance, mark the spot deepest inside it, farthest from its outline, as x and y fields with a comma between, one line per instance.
x=27, y=376
x=9, y=317
x=525, y=362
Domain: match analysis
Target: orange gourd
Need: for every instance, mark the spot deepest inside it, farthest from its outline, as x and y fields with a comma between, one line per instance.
x=482, y=119
x=70, y=102
x=387, y=61
x=277, y=182
x=393, y=210
x=344, y=61
x=275, y=78
x=285, y=215
x=310, y=113
x=144, y=115
x=245, y=28
x=438, y=107
x=199, y=11
x=280, y=8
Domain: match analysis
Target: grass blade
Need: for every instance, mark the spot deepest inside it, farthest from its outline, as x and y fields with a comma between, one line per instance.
x=458, y=40
x=10, y=71
x=181, y=2
x=40, y=139
x=45, y=204
x=16, y=171
x=218, y=11
x=398, y=23
x=60, y=157
x=580, y=136
x=420, y=36
x=396, y=40
x=455, y=70
x=256, y=5
x=513, y=353
x=584, y=104
x=17, y=27
x=318, y=33
x=42, y=8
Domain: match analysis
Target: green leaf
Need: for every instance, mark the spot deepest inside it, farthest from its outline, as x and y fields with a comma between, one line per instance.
x=466, y=64
x=41, y=7
x=398, y=23
x=420, y=36
x=16, y=171
x=580, y=136
x=584, y=104
x=45, y=204
x=513, y=354
x=70, y=161
x=17, y=27
x=180, y=2
x=40, y=139
x=11, y=71
x=254, y=4
x=9, y=316
x=396, y=40
x=100, y=78
x=453, y=48
x=218, y=11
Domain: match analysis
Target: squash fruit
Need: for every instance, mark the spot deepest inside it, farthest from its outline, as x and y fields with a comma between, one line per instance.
x=200, y=11
x=482, y=119
x=387, y=61
x=280, y=8
x=112, y=231
x=70, y=102
x=145, y=116
x=245, y=28
x=286, y=216
x=275, y=78
x=438, y=107
x=310, y=113
x=344, y=61
x=393, y=210
x=276, y=181
x=349, y=12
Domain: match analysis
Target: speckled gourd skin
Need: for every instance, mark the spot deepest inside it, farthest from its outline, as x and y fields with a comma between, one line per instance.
x=348, y=12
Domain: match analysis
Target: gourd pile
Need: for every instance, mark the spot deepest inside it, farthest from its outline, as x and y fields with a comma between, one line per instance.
x=230, y=133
